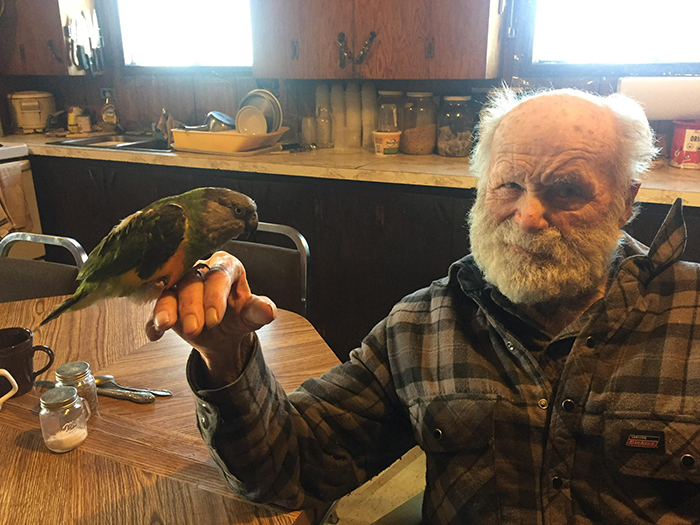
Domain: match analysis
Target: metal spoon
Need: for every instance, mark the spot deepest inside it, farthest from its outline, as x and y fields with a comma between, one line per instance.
x=136, y=397
x=107, y=381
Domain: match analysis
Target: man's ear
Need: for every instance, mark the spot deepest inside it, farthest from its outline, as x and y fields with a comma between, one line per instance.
x=629, y=201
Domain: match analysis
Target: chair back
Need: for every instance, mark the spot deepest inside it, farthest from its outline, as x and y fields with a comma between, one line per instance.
x=22, y=279
x=273, y=267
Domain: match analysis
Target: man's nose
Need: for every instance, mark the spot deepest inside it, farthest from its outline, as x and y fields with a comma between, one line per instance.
x=530, y=215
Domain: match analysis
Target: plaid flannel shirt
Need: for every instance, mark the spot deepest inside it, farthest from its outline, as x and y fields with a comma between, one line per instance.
x=618, y=441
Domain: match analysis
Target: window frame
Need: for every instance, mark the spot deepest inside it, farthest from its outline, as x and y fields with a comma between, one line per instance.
x=523, y=15
x=129, y=70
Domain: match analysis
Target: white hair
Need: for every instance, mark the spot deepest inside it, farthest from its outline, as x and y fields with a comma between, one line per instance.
x=635, y=140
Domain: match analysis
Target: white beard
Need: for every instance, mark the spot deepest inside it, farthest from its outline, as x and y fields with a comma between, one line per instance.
x=561, y=267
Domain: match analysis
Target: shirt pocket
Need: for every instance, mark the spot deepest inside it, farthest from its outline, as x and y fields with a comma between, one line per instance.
x=652, y=468
x=457, y=434
x=658, y=446
x=453, y=423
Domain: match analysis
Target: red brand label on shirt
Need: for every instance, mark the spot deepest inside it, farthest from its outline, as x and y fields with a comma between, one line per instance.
x=643, y=441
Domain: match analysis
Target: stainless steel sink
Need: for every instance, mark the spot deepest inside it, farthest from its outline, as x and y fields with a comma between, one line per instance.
x=125, y=142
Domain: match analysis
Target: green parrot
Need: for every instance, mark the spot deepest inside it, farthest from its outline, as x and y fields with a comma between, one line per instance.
x=151, y=249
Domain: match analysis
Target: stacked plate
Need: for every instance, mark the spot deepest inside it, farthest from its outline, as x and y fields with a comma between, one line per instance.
x=259, y=113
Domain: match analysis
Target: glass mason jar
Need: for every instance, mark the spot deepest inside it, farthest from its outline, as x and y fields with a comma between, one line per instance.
x=455, y=126
x=419, y=130
x=324, y=128
x=62, y=419
x=78, y=374
x=384, y=98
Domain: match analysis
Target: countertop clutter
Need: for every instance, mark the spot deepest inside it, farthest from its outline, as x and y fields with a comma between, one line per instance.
x=661, y=185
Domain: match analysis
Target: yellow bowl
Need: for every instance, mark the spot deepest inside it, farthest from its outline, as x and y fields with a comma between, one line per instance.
x=223, y=141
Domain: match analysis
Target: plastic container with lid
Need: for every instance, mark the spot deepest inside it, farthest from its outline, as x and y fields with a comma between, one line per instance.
x=455, y=126
x=62, y=419
x=418, y=124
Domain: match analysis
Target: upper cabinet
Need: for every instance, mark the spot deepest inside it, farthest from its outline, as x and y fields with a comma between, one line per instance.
x=391, y=39
x=33, y=40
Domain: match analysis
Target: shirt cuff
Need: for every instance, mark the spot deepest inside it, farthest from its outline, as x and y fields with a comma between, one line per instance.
x=226, y=398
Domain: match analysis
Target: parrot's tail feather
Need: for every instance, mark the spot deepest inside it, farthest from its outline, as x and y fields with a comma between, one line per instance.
x=64, y=307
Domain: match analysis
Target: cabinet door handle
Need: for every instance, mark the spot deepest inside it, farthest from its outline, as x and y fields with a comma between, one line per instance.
x=365, y=48
x=295, y=50
x=54, y=52
x=429, y=47
x=22, y=54
x=344, y=54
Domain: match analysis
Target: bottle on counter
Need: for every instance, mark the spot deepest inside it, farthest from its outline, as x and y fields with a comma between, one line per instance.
x=418, y=124
x=324, y=128
x=62, y=419
x=77, y=374
x=455, y=126
x=108, y=116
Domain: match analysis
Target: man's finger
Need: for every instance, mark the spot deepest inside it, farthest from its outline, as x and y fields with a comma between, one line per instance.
x=190, y=302
x=165, y=311
x=217, y=286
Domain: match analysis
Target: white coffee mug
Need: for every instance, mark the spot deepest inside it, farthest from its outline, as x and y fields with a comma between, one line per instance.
x=12, y=381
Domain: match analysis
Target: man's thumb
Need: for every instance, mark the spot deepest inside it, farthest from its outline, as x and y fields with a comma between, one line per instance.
x=258, y=311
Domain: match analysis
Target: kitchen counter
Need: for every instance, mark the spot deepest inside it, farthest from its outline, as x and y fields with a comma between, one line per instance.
x=661, y=185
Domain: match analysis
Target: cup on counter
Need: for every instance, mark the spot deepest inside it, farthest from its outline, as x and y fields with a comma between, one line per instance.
x=17, y=351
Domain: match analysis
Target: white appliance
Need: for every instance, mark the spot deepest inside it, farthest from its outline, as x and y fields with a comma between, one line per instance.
x=13, y=162
x=30, y=109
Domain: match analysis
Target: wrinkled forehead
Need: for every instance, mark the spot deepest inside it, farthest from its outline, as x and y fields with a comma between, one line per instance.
x=554, y=123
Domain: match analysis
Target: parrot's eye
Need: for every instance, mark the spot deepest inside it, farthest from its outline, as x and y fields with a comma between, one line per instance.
x=238, y=211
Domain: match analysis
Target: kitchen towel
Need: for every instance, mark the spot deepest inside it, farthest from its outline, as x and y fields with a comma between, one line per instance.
x=13, y=200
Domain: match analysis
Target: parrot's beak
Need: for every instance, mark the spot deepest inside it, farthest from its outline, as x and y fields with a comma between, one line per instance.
x=251, y=224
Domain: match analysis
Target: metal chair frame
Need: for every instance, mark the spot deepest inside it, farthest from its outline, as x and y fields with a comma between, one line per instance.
x=69, y=244
x=301, y=246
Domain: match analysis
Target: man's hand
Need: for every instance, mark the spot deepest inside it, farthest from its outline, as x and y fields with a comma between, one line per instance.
x=212, y=309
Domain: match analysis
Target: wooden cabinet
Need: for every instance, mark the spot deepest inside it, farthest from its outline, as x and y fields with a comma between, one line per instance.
x=415, y=39
x=31, y=39
x=299, y=38
x=403, y=31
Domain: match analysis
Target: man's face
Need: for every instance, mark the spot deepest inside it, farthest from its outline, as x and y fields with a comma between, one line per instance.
x=548, y=219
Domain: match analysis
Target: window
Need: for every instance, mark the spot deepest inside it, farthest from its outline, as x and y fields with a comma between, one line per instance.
x=182, y=33
x=643, y=36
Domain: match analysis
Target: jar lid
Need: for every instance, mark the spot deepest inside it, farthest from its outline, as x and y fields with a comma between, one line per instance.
x=59, y=397
x=416, y=94
x=389, y=93
x=72, y=371
x=457, y=99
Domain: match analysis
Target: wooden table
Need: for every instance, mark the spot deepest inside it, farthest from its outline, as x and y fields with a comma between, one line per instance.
x=140, y=463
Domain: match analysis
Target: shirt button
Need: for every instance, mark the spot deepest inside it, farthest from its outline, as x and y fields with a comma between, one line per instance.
x=590, y=342
x=204, y=422
x=568, y=405
x=509, y=346
x=543, y=404
x=557, y=482
x=437, y=434
x=687, y=461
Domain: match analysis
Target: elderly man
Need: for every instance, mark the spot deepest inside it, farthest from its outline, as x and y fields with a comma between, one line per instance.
x=553, y=376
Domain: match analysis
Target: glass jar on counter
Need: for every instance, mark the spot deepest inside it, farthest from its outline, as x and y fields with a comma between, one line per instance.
x=78, y=375
x=418, y=119
x=385, y=98
x=62, y=419
x=455, y=126
x=324, y=129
